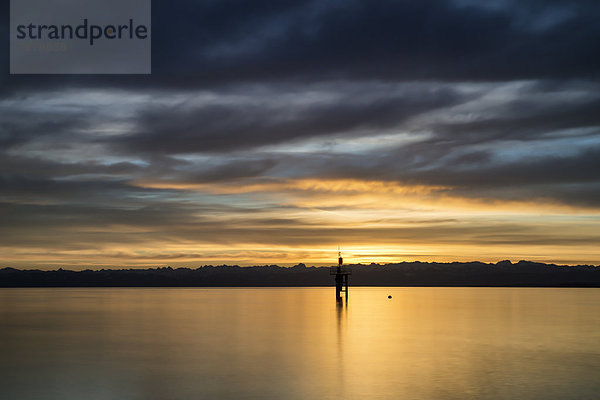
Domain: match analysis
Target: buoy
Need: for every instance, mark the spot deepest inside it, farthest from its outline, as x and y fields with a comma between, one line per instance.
x=390, y=296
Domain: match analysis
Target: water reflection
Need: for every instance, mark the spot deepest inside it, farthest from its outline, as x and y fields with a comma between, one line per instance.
x=297, y=343
x=342, y=315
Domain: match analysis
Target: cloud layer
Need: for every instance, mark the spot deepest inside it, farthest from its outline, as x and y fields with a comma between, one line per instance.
x=271, y=131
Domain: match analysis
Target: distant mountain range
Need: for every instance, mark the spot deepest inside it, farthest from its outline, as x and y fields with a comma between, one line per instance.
x=503, y=273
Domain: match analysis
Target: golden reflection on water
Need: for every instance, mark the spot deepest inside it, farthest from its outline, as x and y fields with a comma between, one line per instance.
x=297, y=343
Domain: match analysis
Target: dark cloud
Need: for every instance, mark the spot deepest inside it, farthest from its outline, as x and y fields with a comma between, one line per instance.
x=378, y=40
x=16, y=165
x=17, y=127
x=572, y=179
x=233, y=170
x=207, y=43
x=212, y=128
x=579, y=168
x=29, y=188
x=523, y=120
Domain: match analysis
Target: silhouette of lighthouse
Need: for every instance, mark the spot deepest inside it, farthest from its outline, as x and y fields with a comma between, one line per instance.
x=341, y=277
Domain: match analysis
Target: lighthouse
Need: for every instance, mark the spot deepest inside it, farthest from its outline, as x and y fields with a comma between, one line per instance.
x=341, y=278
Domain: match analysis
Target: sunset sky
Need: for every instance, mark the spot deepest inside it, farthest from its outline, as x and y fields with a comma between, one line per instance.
x=270, y=132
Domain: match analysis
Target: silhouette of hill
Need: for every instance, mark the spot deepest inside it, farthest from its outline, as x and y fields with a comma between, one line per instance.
x=503, y=273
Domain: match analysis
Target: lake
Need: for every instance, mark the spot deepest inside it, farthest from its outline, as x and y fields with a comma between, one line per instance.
x=297, y=343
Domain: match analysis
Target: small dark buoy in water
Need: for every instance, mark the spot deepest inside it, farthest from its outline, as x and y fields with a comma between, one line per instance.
x=390, y=296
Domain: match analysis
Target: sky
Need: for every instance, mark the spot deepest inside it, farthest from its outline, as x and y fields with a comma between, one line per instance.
x=270, y=132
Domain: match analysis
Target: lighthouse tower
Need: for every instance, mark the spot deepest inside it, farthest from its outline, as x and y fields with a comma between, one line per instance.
x=341, y=278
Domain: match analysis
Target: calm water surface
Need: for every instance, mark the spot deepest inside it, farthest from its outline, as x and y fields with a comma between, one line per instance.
x=296, y=343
